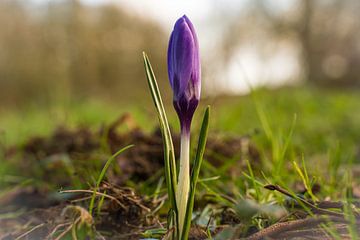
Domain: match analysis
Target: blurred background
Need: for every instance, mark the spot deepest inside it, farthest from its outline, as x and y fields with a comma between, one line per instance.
x=55, y=53
x=282, y=78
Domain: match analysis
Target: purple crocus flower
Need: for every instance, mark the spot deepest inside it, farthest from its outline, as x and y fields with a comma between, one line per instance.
x=184, y=76
x=184, y=70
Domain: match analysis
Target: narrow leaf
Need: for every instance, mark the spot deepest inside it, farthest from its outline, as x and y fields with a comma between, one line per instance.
x=102, y=175
x=169, y=157
x=195, y=172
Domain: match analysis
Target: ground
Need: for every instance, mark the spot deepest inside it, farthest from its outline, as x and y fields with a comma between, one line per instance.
x=278, y=163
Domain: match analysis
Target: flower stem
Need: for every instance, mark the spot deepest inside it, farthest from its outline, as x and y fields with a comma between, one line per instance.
x=184, y=178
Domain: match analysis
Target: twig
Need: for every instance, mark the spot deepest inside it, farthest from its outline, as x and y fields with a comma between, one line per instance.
x=31, y=230
x=308, y=204
x=129, y=196
x=67, y=229
x=158, y=207
x=81, y=199
x=23, y=227
x=97, y=193
x=278, y=228
x=57, y=228
x=160, y=199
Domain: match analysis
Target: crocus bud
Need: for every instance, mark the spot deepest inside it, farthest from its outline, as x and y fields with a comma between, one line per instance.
x=184, y=70
x=184, y=76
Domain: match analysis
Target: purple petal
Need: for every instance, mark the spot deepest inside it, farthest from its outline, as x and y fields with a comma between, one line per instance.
x=180, y=56
x=196, y=77
x=184, y=69
x=170, y=60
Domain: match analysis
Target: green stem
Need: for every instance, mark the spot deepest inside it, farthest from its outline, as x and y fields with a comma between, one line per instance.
x=184, y=178
x=195, y=173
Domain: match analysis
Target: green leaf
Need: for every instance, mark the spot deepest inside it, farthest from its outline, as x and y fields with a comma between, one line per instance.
x=195, y=172
x=154, y=233
x=169, y=157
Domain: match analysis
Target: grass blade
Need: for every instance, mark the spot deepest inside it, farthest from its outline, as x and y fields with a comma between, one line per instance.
x=195, y=172
x=102, y=175
x=169, y=157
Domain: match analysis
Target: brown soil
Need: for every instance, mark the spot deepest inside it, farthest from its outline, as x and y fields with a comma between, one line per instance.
x=48, y=155
x=123, y=215
x=38, y=212
x=120, y=212
x=308, y=228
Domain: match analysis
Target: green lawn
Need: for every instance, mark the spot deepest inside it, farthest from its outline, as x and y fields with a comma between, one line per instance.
x=303, y=135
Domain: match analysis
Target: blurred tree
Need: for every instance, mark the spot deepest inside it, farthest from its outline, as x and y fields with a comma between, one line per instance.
x=64, y=50
x=327, y=34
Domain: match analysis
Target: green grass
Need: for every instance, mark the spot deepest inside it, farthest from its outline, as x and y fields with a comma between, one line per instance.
x=16, y=126
x=303, y=135
x=325, y=132
x=326, y=120
x=326, y=123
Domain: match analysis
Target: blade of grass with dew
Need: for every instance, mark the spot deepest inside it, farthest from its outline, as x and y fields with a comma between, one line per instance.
x=169, y=157
x=195, y=172
x=102, y=175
